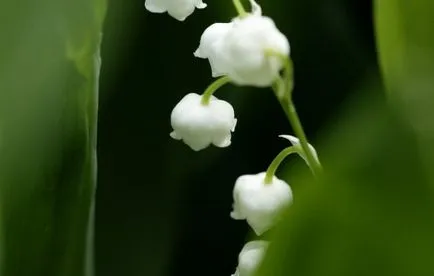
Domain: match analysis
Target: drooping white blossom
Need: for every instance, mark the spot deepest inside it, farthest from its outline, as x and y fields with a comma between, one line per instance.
x=178, y=9
x=258, y=202
x=246, y=47
x=296, y=143
x=200, y=125
x=210, y=47
x=250, y=258
x=240, y=49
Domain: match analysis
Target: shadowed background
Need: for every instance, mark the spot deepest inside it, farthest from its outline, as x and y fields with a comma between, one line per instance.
x=163, y=209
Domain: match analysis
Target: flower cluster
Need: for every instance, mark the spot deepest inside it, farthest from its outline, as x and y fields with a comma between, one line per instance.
x=247, y=51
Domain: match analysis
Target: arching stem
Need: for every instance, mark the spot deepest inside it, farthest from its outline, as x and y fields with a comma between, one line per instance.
x=271, y=171
x=206, y=96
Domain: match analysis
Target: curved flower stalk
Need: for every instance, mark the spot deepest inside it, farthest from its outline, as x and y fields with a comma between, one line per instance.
x=178, y=9
x=296, y=143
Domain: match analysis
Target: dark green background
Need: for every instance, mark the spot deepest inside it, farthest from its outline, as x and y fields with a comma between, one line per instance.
x=163, y=209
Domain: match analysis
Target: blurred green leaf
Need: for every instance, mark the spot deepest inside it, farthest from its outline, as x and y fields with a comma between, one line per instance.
x=48, y=107
x=406, y=51
x=405, y=41
x=373, y=212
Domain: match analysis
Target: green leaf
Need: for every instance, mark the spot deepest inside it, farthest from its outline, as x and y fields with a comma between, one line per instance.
x=48, y=106
x=372, y=213
x=406, y=52
x=405, y=42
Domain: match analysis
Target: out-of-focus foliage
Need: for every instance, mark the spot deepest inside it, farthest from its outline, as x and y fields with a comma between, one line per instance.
x=373, y=212
x=405, y=43
x=49, y=52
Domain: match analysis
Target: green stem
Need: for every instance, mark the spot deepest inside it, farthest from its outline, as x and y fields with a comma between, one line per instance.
x=287, y=71
x=271, y=171
x=299, y=132
x=289, y=108
x=288, y=75
x=239, y=7
x=206, y=96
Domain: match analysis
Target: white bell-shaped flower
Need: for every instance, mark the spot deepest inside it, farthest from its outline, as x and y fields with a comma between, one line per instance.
x=245, y=51
x=210, y=47
x=258, y=202
x=178, y=9
x=212, y=40
x=200, y=125
x=250, y=258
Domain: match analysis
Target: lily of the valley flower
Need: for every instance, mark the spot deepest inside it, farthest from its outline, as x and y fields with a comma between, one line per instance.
x=250, y=258
x=178, y=9
x=239, y=49
x=212, y=40
x=200, y=125
x=258, y=202
x=210, y=47
x=245, y=50
x=296, y=143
